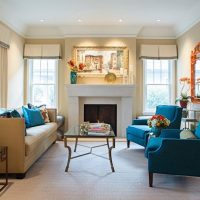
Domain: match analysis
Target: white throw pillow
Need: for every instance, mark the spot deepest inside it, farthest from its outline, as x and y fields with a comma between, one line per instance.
x=187, y=134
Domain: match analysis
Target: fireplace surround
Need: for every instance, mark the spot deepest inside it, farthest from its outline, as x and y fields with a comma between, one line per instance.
x=120, y=95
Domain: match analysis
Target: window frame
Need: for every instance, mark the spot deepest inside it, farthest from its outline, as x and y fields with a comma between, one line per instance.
x=30, y=78
x=171, y=85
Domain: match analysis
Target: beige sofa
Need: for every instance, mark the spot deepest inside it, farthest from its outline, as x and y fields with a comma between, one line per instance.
x=23, y=150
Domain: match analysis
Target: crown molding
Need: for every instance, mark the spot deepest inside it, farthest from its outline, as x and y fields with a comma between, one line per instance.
x=156, y=38
x=180, y=33
x=12, y=27
x=101, y=35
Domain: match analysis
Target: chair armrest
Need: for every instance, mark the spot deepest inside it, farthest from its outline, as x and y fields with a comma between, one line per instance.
x=176, y=156
x=52, y=112
x=12, y=134
x=139, y=122
x=170, y=133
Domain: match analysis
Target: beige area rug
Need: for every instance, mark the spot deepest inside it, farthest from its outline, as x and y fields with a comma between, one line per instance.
x=90, y=178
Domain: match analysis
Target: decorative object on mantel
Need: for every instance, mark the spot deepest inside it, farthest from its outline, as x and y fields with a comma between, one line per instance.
x=185, y=87
x=74, y=69
x=110, y=77
x=157, y=123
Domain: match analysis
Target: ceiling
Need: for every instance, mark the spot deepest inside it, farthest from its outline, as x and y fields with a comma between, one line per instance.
x=100, y=18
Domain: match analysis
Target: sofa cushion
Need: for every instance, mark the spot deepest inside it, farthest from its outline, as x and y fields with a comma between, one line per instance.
x=153, y=145
x=32, y=117
x=36, y=135
x=138, y=130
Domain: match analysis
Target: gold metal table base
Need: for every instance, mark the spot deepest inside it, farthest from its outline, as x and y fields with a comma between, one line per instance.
x=70, y=157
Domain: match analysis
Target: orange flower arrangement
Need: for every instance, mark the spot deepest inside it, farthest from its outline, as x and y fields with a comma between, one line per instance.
x=74, y=67
x=158, y=121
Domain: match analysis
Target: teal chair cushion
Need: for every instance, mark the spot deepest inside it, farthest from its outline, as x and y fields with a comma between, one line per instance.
x=138, y=130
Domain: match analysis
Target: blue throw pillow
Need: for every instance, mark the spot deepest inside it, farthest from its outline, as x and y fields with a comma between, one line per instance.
x=197, y=131
x=32, y=117
x=15, y=114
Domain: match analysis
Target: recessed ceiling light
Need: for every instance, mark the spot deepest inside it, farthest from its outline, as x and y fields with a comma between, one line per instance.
x=79, y=20
x=120, y=20
x=158, y=20
x=43, y=20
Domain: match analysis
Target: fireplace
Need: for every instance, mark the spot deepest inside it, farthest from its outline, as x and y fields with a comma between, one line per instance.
x=106, y=113
x=119, y=95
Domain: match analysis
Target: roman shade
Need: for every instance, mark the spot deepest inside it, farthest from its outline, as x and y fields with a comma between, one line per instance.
x=4, y=36
x=158, y=52
x=42, y=51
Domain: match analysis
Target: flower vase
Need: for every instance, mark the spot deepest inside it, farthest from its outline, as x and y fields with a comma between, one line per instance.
x=156, y=131
x=73, y=77
x=183, y=104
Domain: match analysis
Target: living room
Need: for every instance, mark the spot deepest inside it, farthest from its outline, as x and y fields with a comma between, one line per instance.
x=113, y=64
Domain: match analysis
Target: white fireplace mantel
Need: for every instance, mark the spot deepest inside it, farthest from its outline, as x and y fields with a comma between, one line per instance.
x=121, y=95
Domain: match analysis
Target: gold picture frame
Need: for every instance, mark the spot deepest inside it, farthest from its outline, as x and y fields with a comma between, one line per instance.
x=101, y=60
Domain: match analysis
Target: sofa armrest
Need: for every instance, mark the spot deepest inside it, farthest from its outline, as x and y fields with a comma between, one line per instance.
x=52, y=112
x=12, y=134
x=176, y=156
x=170, y=133
x=139, y=122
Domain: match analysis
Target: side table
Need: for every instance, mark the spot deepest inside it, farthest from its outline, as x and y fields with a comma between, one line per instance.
x=4, y=159
x=186, y=121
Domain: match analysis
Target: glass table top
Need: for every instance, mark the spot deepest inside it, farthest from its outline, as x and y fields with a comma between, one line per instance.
x=90, y=130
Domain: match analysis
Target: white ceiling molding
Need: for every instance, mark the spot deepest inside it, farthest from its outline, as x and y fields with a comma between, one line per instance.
x=82, y=31
x=180, y=32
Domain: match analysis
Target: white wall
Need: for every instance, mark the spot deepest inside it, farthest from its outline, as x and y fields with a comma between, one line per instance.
x=15, y=90
x=186, y=44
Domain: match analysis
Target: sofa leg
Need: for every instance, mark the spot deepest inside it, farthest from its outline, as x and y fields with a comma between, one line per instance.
x=128, y=143
x=20, y=175
x=150, y=179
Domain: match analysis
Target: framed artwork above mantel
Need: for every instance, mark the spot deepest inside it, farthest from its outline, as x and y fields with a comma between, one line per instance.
x=101, y=60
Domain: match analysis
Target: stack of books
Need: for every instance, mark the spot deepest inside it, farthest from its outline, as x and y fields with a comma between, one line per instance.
x=99, y=129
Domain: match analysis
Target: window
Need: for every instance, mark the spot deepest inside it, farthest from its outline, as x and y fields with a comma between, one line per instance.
x=43, y=82
x=158, y=78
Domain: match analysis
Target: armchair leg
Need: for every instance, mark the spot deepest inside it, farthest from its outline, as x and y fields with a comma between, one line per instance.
x=128, y=143
x=150, y=179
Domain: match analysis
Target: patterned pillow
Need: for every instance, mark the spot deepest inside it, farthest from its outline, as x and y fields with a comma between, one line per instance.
x=9, y=113
x=44, y=113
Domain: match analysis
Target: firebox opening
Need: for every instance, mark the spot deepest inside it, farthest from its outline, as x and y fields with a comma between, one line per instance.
x=106, y=113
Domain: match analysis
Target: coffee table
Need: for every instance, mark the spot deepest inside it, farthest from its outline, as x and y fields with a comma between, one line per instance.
x=76, y=133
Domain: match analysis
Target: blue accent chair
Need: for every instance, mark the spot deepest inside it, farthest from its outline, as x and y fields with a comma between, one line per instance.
x=168, y=154
x=138, y=131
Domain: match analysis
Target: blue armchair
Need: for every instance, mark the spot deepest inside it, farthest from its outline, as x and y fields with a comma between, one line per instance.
x=168, y=154
x=138, y=131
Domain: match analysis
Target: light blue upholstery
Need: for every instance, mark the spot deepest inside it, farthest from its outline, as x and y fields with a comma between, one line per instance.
x=168, y=154
x=138, y=131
